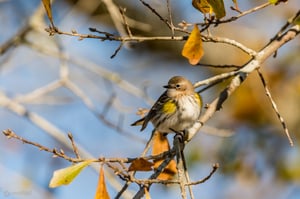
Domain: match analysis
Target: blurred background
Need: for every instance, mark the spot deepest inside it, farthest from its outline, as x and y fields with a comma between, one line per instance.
x=99, y=101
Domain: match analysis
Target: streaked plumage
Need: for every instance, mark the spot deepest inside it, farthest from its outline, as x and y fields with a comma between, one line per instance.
x=178, y=108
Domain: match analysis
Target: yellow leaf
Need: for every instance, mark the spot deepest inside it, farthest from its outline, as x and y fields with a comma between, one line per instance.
x=160, y=145
x=101, y=192
x=218, y=8
x=201, y=5
x=192, y=48
x=297, y=21
x=47, y=6
x=276, y=2
x=67, y=175
x=140, y=164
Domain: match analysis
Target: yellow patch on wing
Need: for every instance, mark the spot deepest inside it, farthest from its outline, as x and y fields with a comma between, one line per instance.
x=169, y=107
x=198, y=99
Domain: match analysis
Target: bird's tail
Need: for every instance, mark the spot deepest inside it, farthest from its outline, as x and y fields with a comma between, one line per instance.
x=140, y=122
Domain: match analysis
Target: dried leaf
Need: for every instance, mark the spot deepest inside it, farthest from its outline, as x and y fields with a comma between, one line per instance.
x=192, y=48
x=47, y=6
x=160, y=145
x=218, y=8
x=202, y=5
x=169, y=171
x=66, y=175
x=101, y=192
x=141, y=164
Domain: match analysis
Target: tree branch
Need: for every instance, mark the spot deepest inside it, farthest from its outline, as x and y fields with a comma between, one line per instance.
x=241, y=74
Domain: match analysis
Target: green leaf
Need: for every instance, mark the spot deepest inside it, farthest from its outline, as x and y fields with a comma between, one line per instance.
x=202, y=5
x=297, y=21
x=67, y=175
x=218, y=8
x=273, y=1
x=276, y=2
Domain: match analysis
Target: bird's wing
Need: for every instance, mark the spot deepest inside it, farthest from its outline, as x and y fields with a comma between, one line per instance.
x=156, y=107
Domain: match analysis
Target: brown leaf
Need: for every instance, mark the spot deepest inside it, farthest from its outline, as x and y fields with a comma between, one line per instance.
x=192, y=48
x=101, y=192
x=47, y=6
x=140, y=164
x=168, y=172
x=160, y=145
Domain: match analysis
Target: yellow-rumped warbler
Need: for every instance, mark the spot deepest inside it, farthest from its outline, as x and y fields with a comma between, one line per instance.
x=177, y=109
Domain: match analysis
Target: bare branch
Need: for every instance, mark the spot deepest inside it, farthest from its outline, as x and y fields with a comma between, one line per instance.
x=122, y=11
x=156, y=13
x=240, y=75
x=268, y=93
x=75, y=149
x=242, y=14
x=214, y=169
x=15, y=39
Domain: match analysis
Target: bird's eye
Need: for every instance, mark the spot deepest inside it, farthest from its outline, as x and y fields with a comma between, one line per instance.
x=177, y=85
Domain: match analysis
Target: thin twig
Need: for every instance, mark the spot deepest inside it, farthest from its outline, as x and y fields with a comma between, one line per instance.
x=75, y=149
x=214, y=169
x=249, y=51
x=15, y=39
x=286, y=25
x=107, y=34
x=274, y=106
x=117, y=50
x=156, y=13
x=10, y=134
x=123, y=39
x=217, y=22
x=122, y=11
x=170, y=17
x=218, y=66
x=111, y=37
x=187, y=176
x=179, y=145
x=115, y=16
x=50, y=87
x=216, y=78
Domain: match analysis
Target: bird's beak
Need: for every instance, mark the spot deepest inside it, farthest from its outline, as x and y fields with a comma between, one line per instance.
x=167, y=86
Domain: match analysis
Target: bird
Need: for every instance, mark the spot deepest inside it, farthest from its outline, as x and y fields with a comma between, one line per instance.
x=176, y=110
